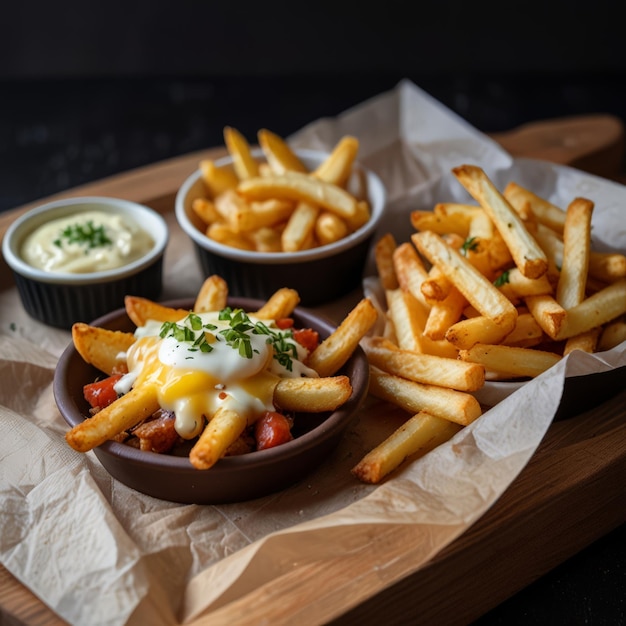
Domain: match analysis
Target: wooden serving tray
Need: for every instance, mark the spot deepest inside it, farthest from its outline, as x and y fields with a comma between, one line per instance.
x=569, y=495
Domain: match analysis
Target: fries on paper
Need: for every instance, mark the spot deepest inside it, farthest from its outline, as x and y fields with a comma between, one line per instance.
x=508, y=286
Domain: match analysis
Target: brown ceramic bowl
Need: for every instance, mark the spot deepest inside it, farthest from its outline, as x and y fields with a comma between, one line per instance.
x=231, y=479
x=319, y=275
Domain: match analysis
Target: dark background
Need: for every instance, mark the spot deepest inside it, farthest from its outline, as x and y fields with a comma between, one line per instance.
x=91, y=89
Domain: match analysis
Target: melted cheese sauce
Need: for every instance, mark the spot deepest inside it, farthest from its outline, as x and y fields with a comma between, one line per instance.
x=194, y=384
x=46, y=248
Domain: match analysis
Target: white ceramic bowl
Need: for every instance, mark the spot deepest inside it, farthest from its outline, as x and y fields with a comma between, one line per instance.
x=319, y=275
x=60, y=299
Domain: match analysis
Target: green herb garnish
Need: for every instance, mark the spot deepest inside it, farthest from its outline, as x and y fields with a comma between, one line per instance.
x=88, y=235
x=503, y=279
x=284, y=350
x=469, y=245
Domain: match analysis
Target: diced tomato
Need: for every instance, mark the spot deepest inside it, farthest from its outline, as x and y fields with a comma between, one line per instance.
x=273, y=429
x=284, y=322
x=307, y=337
x=101, y=393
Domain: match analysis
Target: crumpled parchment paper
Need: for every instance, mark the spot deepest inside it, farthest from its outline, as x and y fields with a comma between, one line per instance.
x=97, y=552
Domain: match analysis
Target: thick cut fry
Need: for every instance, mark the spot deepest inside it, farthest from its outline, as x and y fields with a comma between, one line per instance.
x=600, y=308
x=100, y=347
x=300, y=226
x=479, y=329
x=570, y=289
x=124, y=413
x=441, y=224
x=246, y=166
x=312, y=395
x=613, y=334
x=298, y=186
x=360, y=217
x=409, y=317
x=279, y=155
x=217, y=179
x=223, y=429
x=233, y=209
x=417, y=436
x=280, y=304
x=213, y=295
x=223, y=233
x=330, y=228
x=526, y=333
x=550, y=315
x=510, y=360
x=266, y=213
x=337, y=167
x=410, y=271
x=513, y=283
x=545, y=212
x=444, y=314
x=436, y=287
x=267, y=239
x=205, y=210
x=333, y=352
x=607, y=266
x=479, y=291
x=528, y=256
x=140, y=310
x=585, y=342
x=425, y=368
x=383, y=256
x=456, y=406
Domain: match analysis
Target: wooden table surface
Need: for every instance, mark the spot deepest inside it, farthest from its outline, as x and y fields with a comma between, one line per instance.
x=569, y=495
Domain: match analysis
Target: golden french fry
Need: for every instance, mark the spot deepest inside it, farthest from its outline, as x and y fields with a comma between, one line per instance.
x=267, y=239
x=383, y=256
x=444, y=314
x=205, y=210
x=217, y=179
x=333, y=352
x=265, y=213
x=280, y=304
x=442, y=224
x=456, y=406
x=513, y=283
x=300, y=187
x=480, y=329
x=232, y=208
x=122, y=414
x=425, y=368
x=417, y=436
x=436, y=287
x=409, y=270
x=140, y=310
x=299, y=227
x=526, y=252
x=213, y=295
x=545, y=212
x=527, y=332
x=330, y=228
x=312, y=395
x=223, y=429
x=246, y=166
x=607, y=266
x=337, y=167
x=613, y=334
x=600, y=308
x=361, y=216
x=550, y=315
x=478, y=291
x=100, y=347
x=511, y=360
x=585, y=342
x=570, y=289
x=279, y=155
x=224, y=233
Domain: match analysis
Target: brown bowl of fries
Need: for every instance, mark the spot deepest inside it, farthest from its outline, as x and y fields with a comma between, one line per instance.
x=183, y=473
x=302, y=219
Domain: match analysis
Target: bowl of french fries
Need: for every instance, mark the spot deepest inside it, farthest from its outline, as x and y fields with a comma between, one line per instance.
x=270, y=216
x=483, y=297
x=76, y=258
x=213, y=400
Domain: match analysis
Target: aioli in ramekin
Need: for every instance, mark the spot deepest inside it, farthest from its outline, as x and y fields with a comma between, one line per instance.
x=89, y=241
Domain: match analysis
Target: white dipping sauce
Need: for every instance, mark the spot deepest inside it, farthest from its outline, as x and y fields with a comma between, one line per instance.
x=90, y=241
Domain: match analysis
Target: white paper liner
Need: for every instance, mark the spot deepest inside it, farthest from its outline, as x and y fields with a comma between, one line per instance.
x=97, y=552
